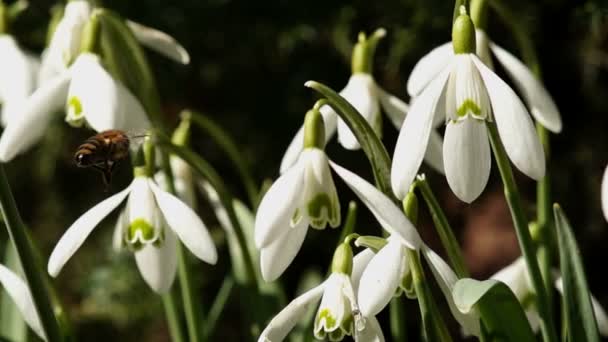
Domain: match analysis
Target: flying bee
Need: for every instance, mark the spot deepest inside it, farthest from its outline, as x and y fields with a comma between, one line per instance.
x=103, y=150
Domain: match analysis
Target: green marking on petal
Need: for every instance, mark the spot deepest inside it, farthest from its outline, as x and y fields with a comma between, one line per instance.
x=74, y=116
x=140, y=231
x=322, y=209
x=336, y=335
x=468, y=106
x=330, y=320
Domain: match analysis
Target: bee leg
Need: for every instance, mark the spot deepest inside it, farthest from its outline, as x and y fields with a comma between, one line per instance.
x=106, y=174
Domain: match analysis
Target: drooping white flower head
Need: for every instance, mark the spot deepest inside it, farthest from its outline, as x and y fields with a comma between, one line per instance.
x=304, y=195
x=148, y=225
x=20, y=293
x=90, y=95
x=66, y=40
x=18, y=69
x=605, y=193
x=469, y=94
x=516, y=277
x=368, y=98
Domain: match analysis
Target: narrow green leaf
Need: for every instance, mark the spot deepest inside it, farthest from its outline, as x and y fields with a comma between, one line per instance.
x=580, y=320
x=368, y=139
x=502, y=316
x=12, y=325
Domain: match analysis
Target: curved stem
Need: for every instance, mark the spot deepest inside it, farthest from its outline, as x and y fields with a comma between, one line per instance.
x=33, y=273
x=523, y=234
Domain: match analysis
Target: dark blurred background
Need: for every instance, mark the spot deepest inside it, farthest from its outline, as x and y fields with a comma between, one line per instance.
x=249, y=63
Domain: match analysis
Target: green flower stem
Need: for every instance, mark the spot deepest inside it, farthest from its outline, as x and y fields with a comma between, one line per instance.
x=223, y=139
x=33, y=273
x=172, y=315
x=397, y=319
x=222, y=297
x=191, y=309
x=446, y=234
x=523, y=234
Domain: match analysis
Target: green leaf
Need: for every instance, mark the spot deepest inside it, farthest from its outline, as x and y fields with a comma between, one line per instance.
x=502, y=316
x=580, y=320
x=368, y=139
x=12, y=325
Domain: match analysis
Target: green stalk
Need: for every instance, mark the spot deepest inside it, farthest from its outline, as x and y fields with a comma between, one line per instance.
x=523, y=234
x=172, y=316
x=218, y=305
x=191, y=310
x=397, y=319
x=446, y=234
x=33, y=273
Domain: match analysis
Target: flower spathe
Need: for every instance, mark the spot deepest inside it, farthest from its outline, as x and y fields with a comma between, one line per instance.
x=19, y=292
x=66, y=40
x=305, y=195
x=19, y=73
x=90, y=95
x=470, y=95
x=515, y=276
x=149, y=225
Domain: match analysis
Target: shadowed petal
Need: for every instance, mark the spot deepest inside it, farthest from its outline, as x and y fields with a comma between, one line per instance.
x=278, y=255
x=514, y=125
x=159, y=42
x=360, y=262
x=371, y=333
x=605, y=193
x=186, y=224
x=394, y=107
x=434, y=152
x=361, y=93
x=467, y=160
x=80, y=230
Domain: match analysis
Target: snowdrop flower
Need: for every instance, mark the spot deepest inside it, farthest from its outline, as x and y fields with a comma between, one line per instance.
x=65, y=43
x=19, y=70
x=515, y=276
x=382, y=277
x=148, y=225
x=605, y=193
x=368, y=98
x=541, y=104
x=304, y=195
x=90, y=95
x=470, y=95
x=338, y=314
x=19, y=292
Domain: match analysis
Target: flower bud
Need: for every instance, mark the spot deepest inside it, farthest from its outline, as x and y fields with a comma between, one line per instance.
x=342, y=261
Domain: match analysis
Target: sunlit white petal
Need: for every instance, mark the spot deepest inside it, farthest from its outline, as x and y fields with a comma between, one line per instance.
x=381, y=278
x=278, y=205
x=157, y=264
x=186, y=224
x=414, y=136
x=159, y=42
x=19, y=292
x=371, y=333
x=542, y=107
x=428, y=67
x=360, y=262
x=280, y=326
x=384, y=210
x=321, y=202
x=360, y=91
x=515, y=127
x=278, y=255
x=31, y=122
x=467, y=159
x=514, y=276
x=80, y=230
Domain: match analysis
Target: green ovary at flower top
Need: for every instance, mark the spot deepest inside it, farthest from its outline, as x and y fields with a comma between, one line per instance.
x=149, y=225
x=368, y=98
x=304, y=195
x=470, y=96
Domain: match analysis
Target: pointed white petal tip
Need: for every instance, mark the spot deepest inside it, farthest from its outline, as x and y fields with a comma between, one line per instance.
x=278, y=255
x=160, y=42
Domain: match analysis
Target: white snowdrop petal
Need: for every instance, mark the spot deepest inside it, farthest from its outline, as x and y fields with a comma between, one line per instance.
x=514, y=276
x=159, y=42
x=467, y=159
x=428, y=67
x=360, y=262
x=605, y=193
x=371, y=333
x=394, y=107
x=414, y=136
x=515, y=127
x=381, y=278
x=384, y=210
x=278, y=255
x=280, y=326
x=482, y=48
x=279, y=205
x=78, y=232
x=190, y=229
x=446, y=279
x=158, y=265
x=19, y=292
x=122, y=224
x=32, y=121
x=542, y=106
x=65, y=42
x=361, y=93
x=434, y=152
x=296, y=146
